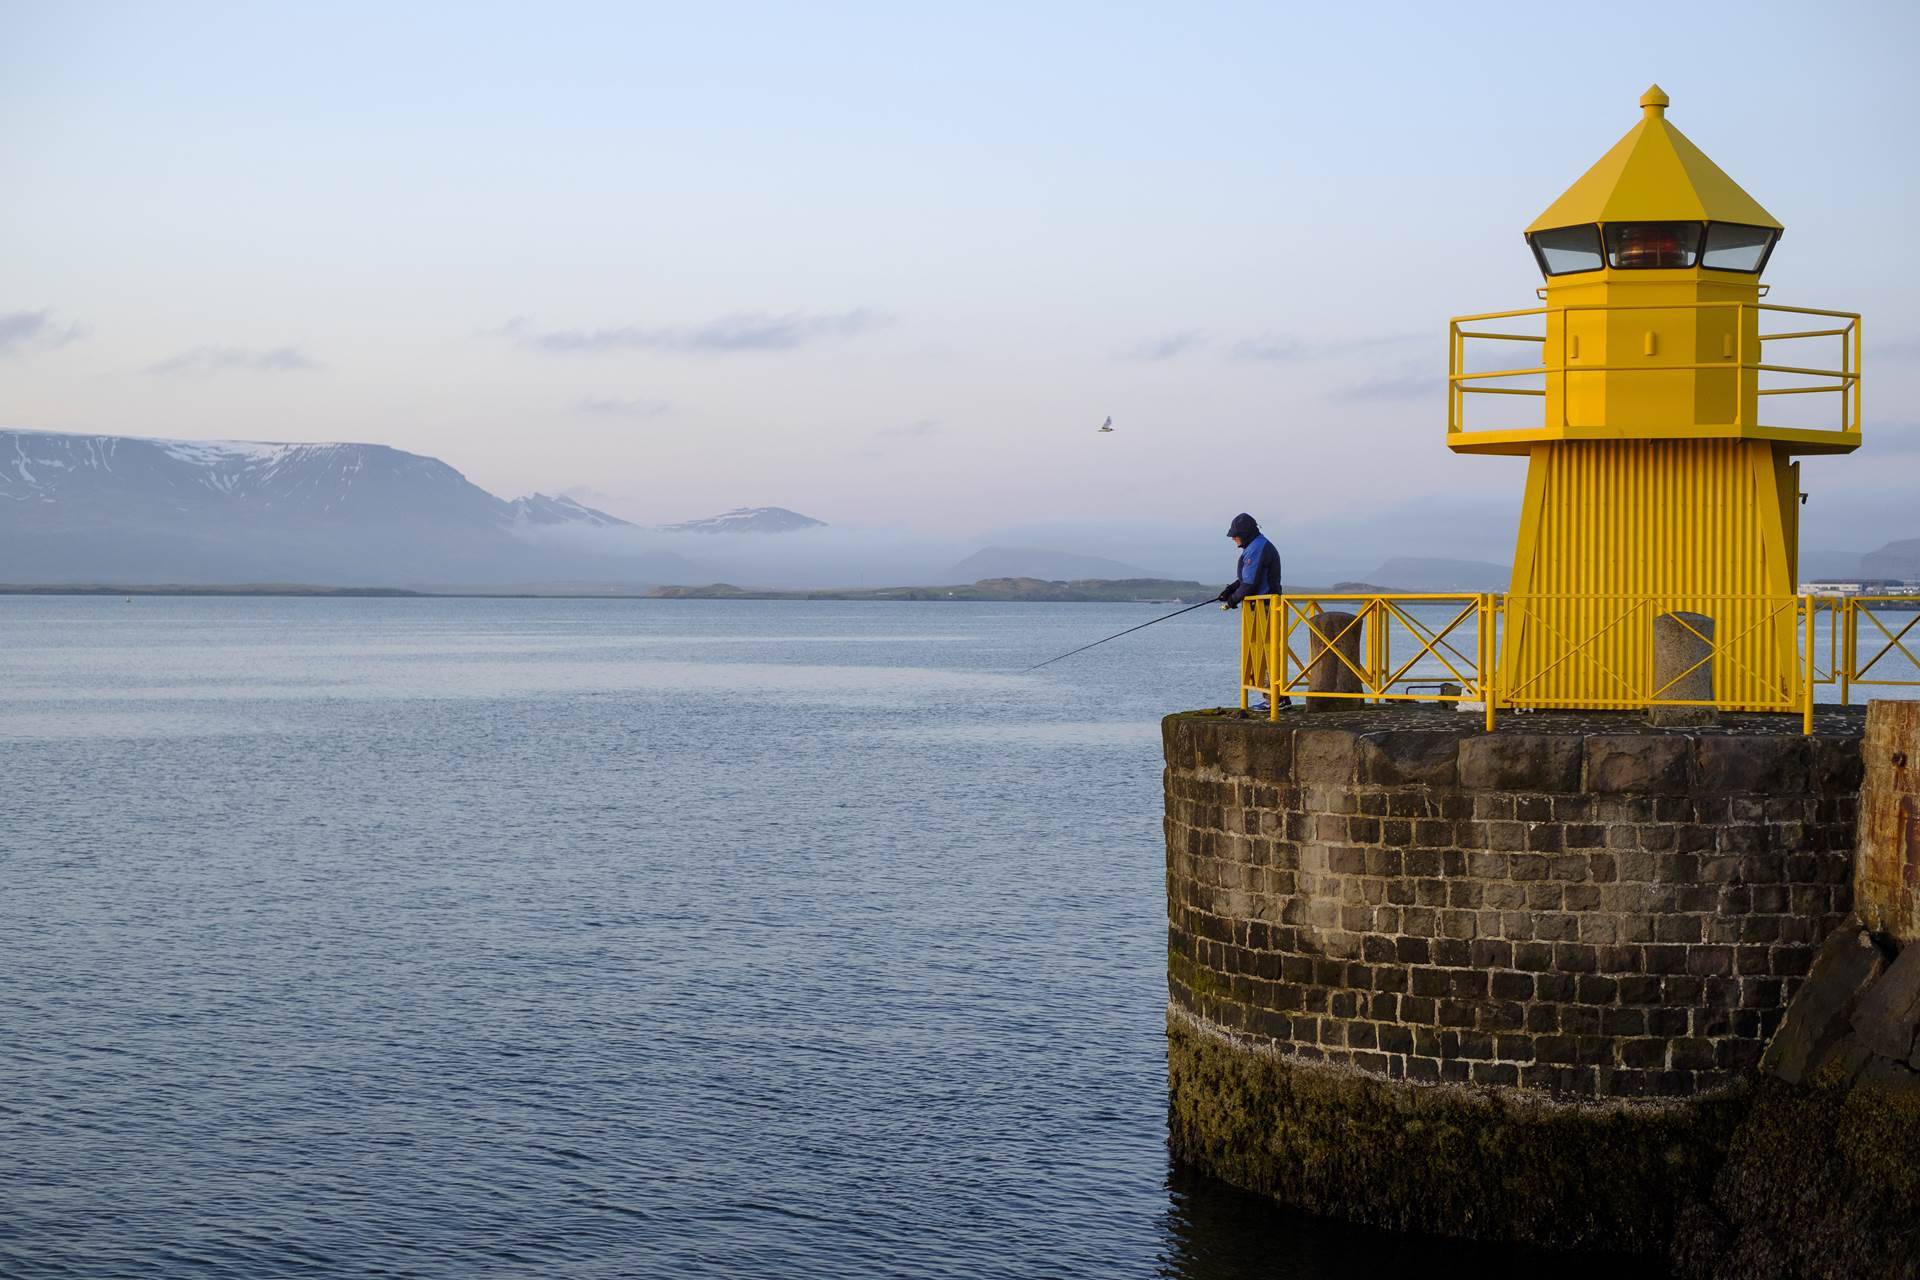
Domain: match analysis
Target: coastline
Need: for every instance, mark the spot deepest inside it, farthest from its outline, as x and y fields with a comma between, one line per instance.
x=992, y=590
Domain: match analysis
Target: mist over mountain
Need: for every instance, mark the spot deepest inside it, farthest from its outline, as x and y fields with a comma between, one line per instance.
x=1050, y=566
x=94, y=508
x=1420, y=573
x=748, y=520
x=134, y=511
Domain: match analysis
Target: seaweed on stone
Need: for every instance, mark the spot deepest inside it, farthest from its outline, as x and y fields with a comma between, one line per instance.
x=1823, y=1180
x=1479, y=1163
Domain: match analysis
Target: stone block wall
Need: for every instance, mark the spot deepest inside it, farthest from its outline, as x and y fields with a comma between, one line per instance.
x=1579, y=905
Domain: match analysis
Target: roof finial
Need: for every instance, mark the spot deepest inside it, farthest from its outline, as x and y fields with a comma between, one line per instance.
x=1654, y=102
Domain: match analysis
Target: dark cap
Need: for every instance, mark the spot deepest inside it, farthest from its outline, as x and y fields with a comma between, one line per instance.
x=1243, y=526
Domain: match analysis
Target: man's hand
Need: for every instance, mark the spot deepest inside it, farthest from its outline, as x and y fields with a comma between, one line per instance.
x=1226, y=593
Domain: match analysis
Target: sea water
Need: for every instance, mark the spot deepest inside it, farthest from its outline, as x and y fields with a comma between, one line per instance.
x=582, y=938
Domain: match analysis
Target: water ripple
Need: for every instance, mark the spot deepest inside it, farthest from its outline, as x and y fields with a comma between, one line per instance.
x=595, y=939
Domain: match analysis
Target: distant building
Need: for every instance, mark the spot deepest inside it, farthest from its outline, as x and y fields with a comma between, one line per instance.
x=1865, y=586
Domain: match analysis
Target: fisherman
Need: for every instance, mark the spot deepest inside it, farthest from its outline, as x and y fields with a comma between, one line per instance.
x=1259, y=563
x=1259, y=571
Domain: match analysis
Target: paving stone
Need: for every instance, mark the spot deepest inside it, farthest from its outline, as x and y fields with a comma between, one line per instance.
x=1654, y=764
x=1728, y=763
x=1401, y=756
x=1520, y=762
x=1325, y=756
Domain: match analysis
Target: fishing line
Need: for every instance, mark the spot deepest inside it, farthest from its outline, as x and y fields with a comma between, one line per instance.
x=1116, y=635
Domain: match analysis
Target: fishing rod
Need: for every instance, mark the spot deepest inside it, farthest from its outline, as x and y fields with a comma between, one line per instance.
x=1116, y=635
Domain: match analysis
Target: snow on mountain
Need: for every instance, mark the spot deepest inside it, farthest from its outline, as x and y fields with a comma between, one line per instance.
x=540, y=509
x=95, y=507
x=748, y=520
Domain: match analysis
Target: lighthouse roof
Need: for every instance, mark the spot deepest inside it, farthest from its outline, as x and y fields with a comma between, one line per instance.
x=1654, y=174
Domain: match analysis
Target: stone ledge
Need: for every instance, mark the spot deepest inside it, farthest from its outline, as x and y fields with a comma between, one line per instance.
x=1599, y=753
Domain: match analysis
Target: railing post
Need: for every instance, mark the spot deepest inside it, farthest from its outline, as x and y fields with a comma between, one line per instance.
x=1377, y=654
x=1247, y=651
x=1455, y=401
x=1806, y=691
x=1833, y=641
x=1275, y=608
x=1845, y=664
x=1856, y=374
x=1487, y=660
x=1740, y=364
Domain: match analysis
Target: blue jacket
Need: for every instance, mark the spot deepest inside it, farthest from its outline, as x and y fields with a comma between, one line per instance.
x=1259, y=571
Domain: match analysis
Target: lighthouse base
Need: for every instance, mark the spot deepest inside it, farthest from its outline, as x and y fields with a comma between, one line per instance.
x=1510, y=985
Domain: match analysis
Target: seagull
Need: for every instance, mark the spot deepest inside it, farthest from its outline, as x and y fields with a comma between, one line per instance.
x=1108, y=424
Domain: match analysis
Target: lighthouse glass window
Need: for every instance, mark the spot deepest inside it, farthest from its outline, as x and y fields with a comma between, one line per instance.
x=1565, y=249
x=1653, y=246
x=1732, y=247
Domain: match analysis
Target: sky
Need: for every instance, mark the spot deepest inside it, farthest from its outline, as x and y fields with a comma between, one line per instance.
x=891, y=265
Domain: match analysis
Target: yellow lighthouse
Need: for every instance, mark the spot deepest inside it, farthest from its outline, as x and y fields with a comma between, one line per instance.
x=1657, y=484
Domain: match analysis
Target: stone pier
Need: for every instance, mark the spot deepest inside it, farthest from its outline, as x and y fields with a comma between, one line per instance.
x=1511, y=985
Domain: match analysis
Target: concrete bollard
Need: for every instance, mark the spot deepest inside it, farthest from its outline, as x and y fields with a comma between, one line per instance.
x=1683, y=642
x=1326, y=673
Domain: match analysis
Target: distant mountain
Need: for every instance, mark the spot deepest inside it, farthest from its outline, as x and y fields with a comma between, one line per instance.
x=1820, y=564
x=89, y=508
x=1050, y=566
x=1129, y=591
x=538, y=508
x=1416, y=573
x=1899, y=561
x=748, y=520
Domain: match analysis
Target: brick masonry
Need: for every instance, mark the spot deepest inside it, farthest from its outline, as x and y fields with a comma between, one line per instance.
x=1581, y=905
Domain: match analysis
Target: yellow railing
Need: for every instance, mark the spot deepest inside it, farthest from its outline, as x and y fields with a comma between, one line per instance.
x=1391, y=651
x=1595, y=652
x=1564, y=361
x=1888, y=638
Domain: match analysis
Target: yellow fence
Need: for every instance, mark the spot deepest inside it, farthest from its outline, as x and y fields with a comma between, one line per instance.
x=1562, y=376
x=1598, y=651
x=1766, y=653
x=1887, y=641
x=1397, y=648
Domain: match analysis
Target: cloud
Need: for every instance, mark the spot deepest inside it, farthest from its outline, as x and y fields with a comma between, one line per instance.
x=916, y=430
x=1407, y=384
x=1271, y=350
x=617, y=407
x=204, y=361
x=1900, y=350
x=21, y=330
x=1165, y=347
x=746, y=332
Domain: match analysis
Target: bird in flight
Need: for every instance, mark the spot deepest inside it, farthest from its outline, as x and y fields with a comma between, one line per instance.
x=1108, y=424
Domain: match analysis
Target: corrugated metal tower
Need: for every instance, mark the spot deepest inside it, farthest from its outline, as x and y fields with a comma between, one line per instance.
x=1653, y=485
